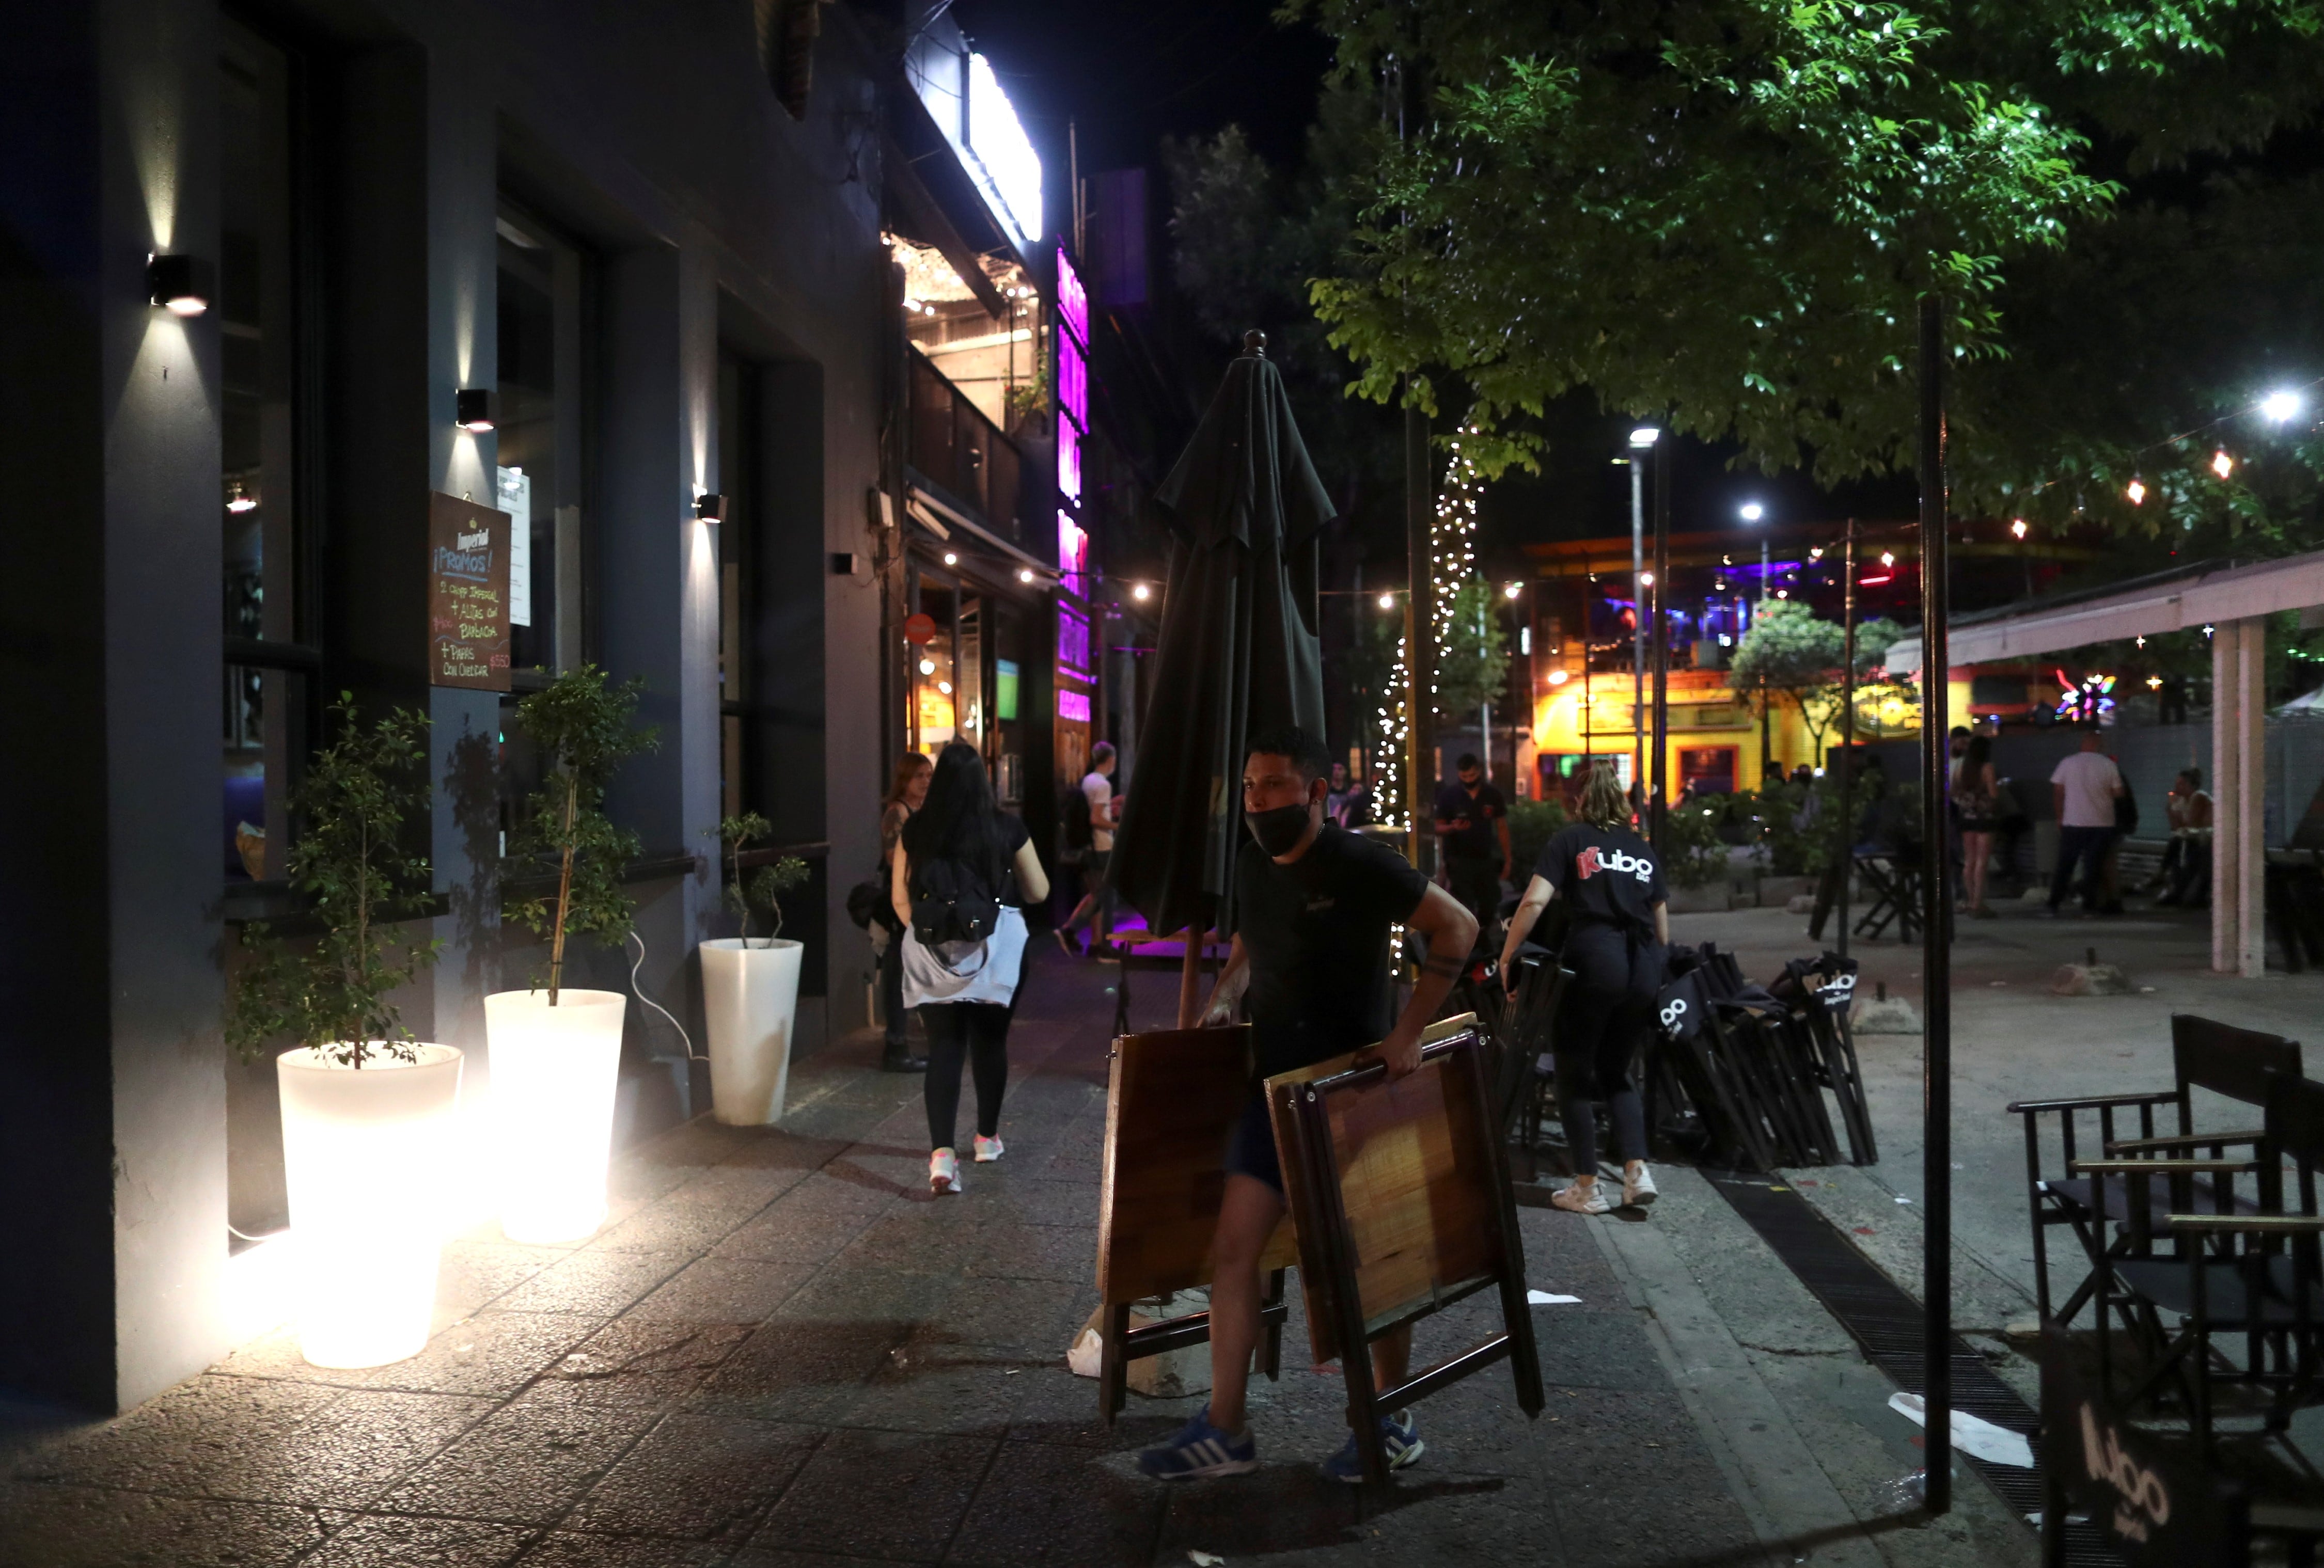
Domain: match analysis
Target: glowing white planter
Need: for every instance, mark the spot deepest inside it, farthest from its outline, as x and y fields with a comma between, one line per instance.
x=554, y=1072
x=367, y=1151
x=749, y=995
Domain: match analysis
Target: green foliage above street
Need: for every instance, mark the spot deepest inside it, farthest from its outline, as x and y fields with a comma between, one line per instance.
x=1723, y=213
x=1472, y=658
x=351, y=807
x=1791, y=656
x=763, y=887
x=583, y=728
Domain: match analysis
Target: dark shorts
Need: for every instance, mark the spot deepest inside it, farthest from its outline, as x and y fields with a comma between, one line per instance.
x=1250, y=1150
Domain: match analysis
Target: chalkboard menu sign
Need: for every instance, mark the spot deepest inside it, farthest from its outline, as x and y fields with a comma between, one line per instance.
x=467, y=595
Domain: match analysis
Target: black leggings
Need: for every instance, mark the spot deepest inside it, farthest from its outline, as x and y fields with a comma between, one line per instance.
x=1605, y=1018
x=978, y=1030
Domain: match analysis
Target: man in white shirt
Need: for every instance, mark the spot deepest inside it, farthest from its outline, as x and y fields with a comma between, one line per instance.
x=2084, y=790
x=1103, y=811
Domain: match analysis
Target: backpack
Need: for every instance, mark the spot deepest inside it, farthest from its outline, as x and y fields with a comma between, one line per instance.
x=951, y=903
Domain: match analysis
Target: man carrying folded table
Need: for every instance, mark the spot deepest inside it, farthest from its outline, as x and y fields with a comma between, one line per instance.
x=1310, y=969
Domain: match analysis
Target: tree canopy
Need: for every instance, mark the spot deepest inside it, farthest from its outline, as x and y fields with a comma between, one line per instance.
x=1791, y=655
x=1723, y=213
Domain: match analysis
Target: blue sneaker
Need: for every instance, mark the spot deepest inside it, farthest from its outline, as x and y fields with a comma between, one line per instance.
x=1399, y=1435
x=1200, y=1450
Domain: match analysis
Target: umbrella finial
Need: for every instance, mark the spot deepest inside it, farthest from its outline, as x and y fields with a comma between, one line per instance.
x=1254, y=344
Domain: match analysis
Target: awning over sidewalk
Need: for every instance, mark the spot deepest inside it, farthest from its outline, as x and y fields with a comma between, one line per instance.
x=2200, y=596
x=2231, y=601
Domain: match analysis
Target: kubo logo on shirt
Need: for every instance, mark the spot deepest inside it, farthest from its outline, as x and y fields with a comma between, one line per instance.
x=1589, y=862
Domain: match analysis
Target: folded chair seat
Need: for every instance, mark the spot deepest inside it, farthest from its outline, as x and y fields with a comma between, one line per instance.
x=2202, y=1197
x=2284, y=1301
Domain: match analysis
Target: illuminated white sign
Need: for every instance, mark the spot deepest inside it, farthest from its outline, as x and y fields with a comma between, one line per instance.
x=1012, y=170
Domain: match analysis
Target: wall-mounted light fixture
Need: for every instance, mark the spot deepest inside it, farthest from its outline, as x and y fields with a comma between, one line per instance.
x=472, y=410
x=180, y=285
x=1025, y=575
x=710, y=507
x=238, y=499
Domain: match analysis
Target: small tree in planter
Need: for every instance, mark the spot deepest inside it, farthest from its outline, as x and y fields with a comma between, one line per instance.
x=749, y=990
x=365, y=1153
x=333, y=999
x=583, y=728
x=763, y=887
x=557, y=1058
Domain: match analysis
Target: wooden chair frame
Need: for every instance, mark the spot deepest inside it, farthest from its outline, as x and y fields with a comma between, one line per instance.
x=2205, y=1054
x=1338, y=1321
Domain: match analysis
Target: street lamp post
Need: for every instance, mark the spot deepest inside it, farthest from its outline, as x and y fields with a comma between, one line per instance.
x=1642, y=438
x=1751, y=512
x=1659, y=793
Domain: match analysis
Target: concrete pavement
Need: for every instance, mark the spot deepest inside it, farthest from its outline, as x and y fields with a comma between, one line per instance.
x=781, y=1352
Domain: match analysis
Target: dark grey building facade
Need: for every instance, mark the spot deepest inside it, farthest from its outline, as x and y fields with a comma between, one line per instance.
x=656, y=234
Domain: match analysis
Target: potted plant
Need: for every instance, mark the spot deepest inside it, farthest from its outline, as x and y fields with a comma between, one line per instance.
x=368, y=1111
x=556, y=1050
x=750, y=989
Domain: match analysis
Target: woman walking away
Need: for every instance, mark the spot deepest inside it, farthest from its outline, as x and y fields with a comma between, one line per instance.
x=904, y=796
x=960, y=887
x=1974, y=798
x=1618, y=949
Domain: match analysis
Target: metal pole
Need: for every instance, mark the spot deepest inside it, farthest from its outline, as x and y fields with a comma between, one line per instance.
x=1419, y=625
x=1638, y=614
x=1659, y=799
x=1936, y=919
x=1846, y=830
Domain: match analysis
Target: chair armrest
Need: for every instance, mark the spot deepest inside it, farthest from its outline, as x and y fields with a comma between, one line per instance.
x=2186, y=1141
x=2249, y=1224
x=2163, y=1167
x=2095, y=1103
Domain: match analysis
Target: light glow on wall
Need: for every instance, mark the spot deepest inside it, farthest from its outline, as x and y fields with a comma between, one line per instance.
x=1074, y=705
x=1072, y=641
x=1073, y=555
x=1004, y=153
x=1073, y=299
x=1069, y=461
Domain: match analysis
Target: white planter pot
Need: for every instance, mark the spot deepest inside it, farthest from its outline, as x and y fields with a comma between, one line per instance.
x=749, y=995
x=368, y=1152
x=553, y=1073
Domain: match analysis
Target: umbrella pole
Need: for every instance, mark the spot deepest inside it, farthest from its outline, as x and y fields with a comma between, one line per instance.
x=1189, y=993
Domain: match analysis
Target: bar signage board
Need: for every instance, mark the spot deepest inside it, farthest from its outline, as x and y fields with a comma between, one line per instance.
x=467, y=595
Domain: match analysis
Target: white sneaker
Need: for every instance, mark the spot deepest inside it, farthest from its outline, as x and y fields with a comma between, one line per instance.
x=988, y=1150
x=1638, y=1191
x=944, y=1172
x=1582, y=1198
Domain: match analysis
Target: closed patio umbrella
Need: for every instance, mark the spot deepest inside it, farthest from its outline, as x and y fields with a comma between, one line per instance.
x=1239, y=651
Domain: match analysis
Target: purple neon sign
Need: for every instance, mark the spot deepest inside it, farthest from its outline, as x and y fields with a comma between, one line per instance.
x=1074, y=705
x=1073, y=300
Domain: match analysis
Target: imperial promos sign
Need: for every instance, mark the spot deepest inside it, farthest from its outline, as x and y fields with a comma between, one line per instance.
x=467, y=595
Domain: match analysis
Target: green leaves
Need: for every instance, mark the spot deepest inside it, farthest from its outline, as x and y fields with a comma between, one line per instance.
x=1472, y=656
x=1723, y=213
x=1791, y=655
x=763, y=887
x=349, y=860
x=584, y=729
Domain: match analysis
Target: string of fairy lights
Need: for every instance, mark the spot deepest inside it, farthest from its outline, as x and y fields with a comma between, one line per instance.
x=1453, y=559
x=2278, y=408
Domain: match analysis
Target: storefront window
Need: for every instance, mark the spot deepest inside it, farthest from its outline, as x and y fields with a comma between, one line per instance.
x=539, y=435
x=267, y=686
x=935, y=710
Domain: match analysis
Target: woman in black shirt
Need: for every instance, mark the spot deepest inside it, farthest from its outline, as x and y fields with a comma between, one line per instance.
x=961, y=823
x=1618, y=949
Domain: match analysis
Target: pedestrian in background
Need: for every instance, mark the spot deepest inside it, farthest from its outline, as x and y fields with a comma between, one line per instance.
x=1472, y=832
x=1101, y=810
x=1617, y=948
x=2082, y=792
x=2190, y=837
x=1974, y=786
x=960, y=886
x=906, y=792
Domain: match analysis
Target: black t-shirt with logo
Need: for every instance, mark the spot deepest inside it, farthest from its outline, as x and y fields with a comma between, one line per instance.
x=1479, y=840
x=1315, y=933
x=1604, y=874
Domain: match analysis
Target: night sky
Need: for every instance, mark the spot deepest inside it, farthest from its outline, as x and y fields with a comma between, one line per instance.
x=1127, y=75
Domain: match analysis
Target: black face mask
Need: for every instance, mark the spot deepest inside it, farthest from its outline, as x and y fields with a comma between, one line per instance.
x=1278, y=830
